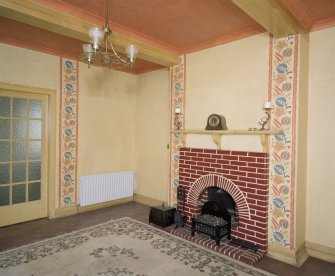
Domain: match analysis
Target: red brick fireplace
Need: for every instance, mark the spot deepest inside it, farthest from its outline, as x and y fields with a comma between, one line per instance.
x=243, y=175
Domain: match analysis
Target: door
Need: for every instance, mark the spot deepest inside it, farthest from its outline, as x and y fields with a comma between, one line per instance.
x=23, y=157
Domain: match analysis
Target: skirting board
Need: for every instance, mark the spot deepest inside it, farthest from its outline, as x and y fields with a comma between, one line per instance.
x=292, y=257
x=73, y=210
x=66, y=211
x=321, y=252
x=83, y=209
x=148, y=200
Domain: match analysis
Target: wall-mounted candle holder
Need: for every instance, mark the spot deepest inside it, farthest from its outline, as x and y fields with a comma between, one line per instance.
x=177, y=118
x=267, y=106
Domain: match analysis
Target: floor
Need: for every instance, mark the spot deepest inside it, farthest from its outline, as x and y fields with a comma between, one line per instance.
x=28, y=232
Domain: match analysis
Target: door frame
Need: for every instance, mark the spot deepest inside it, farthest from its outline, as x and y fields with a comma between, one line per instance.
x=51, y=138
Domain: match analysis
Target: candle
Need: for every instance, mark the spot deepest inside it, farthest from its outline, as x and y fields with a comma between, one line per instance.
x=267, y=105
x=177, y=110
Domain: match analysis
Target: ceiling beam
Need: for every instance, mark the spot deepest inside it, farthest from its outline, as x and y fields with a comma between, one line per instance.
x=273, y=15
x=37, y=15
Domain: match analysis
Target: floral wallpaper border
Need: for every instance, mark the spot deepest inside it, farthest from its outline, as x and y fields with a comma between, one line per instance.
x=177, y=76
x=283, y=94
x=68, y=133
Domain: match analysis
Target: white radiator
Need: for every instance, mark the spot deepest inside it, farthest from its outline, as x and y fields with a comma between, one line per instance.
x=105, y=187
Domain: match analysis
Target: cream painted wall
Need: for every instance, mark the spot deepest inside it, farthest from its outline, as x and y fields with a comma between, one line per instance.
x=321, y=137
x=29, y=68
x=33, y=69
x=152, y=135
x=107, y=104
x=302, y=135
x=231, y=80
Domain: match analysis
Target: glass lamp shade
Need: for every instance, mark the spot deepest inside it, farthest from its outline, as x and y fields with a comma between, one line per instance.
x=87, y=48
x=106, y=58
x=177, y=110
x=131, y=51
x=96, y=33
x=89, y=53
x=267, y=105
x=96, y=36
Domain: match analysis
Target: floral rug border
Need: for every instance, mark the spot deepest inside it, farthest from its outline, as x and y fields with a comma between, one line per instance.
x=59, y=243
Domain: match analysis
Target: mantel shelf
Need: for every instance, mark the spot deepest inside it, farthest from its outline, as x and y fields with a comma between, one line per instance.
x=229, y=132
x=217, y=134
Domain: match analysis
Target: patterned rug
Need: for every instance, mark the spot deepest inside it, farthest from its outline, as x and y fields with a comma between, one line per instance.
x=118, y=248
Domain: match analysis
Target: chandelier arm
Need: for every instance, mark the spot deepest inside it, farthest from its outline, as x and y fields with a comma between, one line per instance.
x=106, y=44
x=117, y=55
x=107, y=26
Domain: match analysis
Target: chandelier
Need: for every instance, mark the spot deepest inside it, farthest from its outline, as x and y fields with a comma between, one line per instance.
x=97, y=52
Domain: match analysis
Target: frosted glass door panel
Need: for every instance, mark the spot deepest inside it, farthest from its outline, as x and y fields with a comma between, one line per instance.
x=21, y=127
x=5, y=106
x=24, y=154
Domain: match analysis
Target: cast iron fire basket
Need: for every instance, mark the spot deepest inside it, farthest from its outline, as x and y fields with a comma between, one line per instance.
x=214, y=221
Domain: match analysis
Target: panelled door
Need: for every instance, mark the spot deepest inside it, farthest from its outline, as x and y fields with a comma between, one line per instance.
x=23, y=157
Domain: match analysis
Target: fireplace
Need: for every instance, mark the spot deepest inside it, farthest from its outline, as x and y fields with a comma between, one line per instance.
x=236, y=179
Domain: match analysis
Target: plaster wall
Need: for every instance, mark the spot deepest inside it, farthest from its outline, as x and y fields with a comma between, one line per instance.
x=107, y=104
x=302, y=135
x=231, y=80
x=106, y=134
x=30, y=68
x=25, y=67
x=152, y=135
x=321, y=137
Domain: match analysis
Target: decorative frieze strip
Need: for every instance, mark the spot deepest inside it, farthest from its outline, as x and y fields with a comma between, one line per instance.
x=283, y=95
x=177, y=76
x=68, y=133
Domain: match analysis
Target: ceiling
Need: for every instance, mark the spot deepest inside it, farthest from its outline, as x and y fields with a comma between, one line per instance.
x=165, y=28
x=179, y=24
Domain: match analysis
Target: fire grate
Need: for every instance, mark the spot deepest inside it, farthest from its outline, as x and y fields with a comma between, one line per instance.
x=215, y=227
x=214, y=221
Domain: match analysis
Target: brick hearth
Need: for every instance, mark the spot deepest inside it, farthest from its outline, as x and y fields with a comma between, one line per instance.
x=227, y=248
x=244, y=175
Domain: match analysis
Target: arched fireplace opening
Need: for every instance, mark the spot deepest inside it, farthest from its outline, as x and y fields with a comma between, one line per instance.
x=221, y=196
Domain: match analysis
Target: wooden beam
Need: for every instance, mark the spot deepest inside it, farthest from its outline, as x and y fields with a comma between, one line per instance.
x=38, y=15
x=273, y=15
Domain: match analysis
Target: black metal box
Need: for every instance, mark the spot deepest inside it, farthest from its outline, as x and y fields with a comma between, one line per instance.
x=161, y=215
